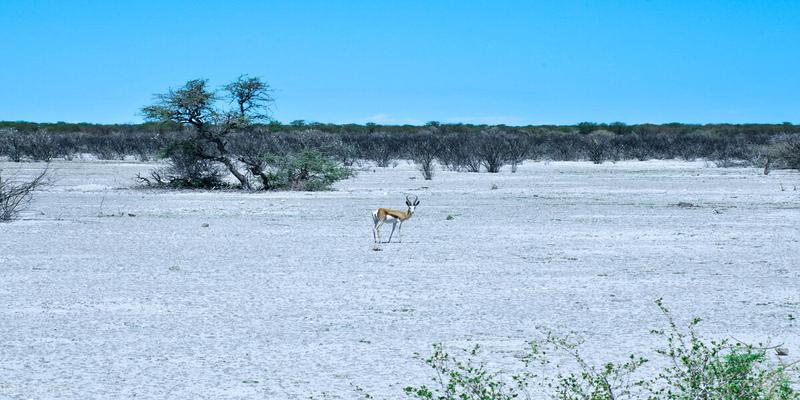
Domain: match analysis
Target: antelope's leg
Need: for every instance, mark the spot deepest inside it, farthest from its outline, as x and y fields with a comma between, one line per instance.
x=394, y=225
x=377, y=231
x=400, y=233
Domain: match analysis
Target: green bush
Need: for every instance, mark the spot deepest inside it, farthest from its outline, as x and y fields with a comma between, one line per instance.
x=456, y=379
x=553, y=367
x=185, y=169
x=306, y=170
x=717, y=369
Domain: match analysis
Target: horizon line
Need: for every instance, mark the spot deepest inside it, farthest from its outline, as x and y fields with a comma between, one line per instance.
x=311, y=123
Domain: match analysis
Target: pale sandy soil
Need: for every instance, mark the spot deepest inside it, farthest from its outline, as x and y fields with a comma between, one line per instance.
x=282, y=297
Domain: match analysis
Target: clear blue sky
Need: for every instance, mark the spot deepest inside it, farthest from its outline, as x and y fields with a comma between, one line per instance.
x=513, y=62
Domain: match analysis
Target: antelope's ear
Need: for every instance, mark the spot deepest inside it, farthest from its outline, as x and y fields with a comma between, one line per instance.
x=416, y=203
x=408, y=203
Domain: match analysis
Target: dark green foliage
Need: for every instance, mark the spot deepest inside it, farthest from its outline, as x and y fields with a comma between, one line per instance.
x=620, y=128
x=585, y=128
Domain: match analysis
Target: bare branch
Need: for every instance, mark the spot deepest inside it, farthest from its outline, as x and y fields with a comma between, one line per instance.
x=14, y=197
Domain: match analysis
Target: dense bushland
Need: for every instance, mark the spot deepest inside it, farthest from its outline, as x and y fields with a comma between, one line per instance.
x=457, y=147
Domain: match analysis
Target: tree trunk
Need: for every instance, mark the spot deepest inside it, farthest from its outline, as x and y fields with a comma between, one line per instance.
x=235, y=171
x=223, y=156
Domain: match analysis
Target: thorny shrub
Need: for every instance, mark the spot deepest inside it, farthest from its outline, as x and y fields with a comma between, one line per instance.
x=553, y=367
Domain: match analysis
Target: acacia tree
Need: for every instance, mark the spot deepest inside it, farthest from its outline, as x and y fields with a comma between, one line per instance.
x=252, y=96
x=790, y=154
x=492, y=149
x=251, y=148
x=195, y=105
x=519, y=149
x=426, y=147
x=380, y=147
x=599, y=145
x=11, y=144
x=459, y=153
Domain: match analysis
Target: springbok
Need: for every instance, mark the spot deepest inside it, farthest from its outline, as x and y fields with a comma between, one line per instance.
x=384, y=215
